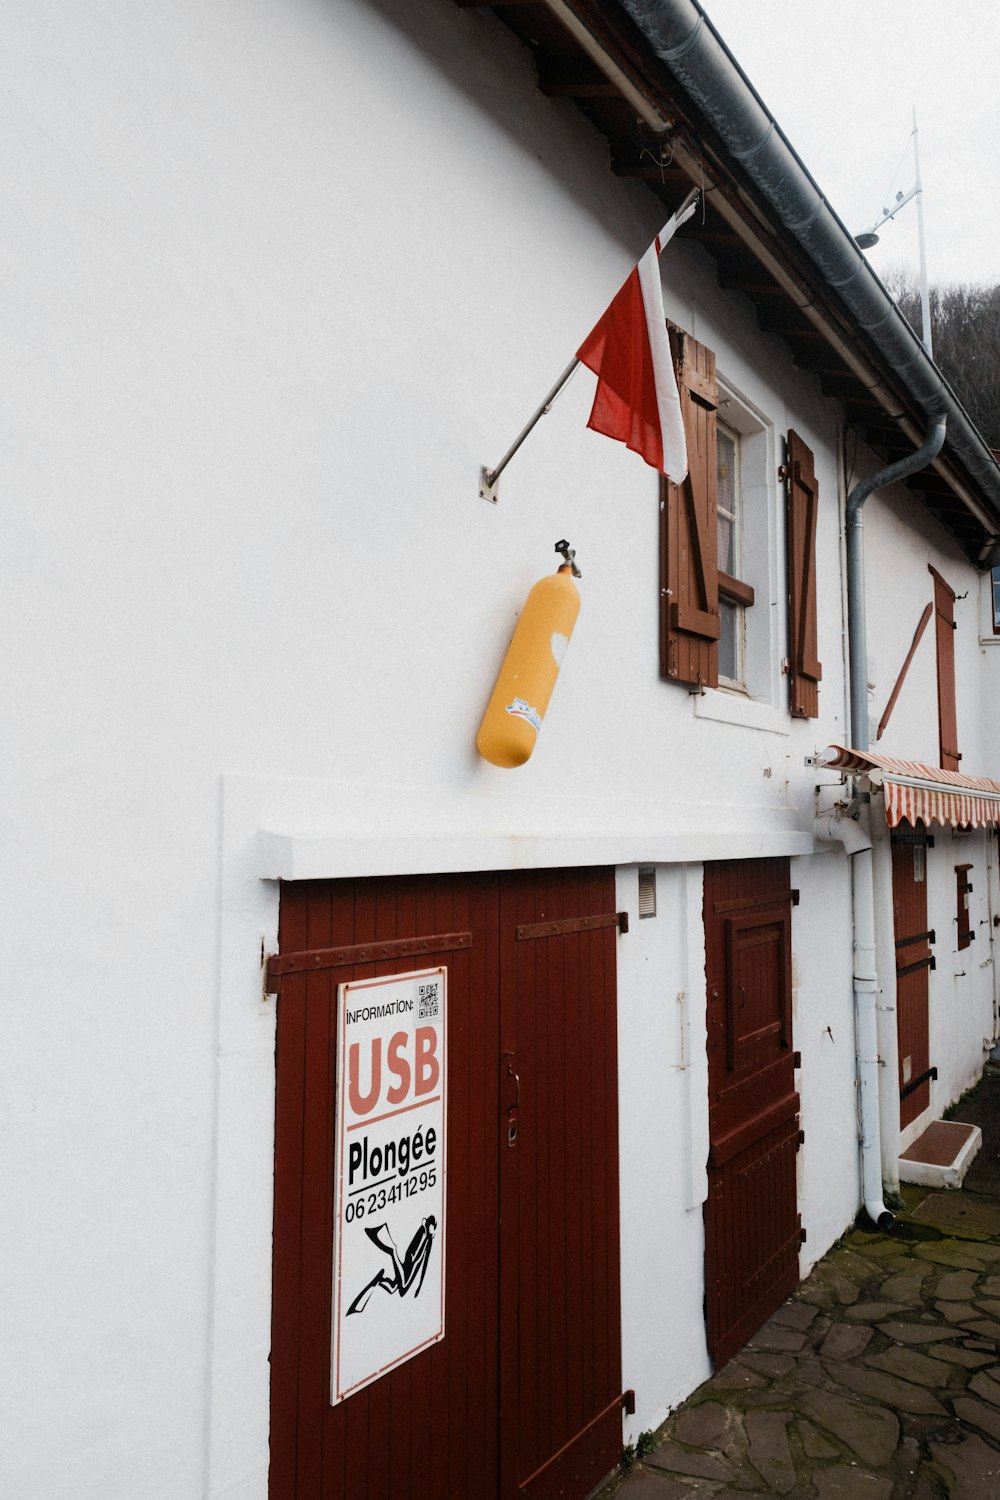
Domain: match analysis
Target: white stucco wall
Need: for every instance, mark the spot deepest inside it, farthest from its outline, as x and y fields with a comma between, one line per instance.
x=663, y=1060
x=901, y=541
x=278, y=279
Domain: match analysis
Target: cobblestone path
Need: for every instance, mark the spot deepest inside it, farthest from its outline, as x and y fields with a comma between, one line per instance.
x=878, y=1380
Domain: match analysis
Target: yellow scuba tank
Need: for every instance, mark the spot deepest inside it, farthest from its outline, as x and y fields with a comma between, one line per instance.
x=515, y=712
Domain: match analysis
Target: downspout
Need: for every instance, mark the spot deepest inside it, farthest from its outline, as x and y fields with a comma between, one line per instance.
x=857, y=840
x=859, y=849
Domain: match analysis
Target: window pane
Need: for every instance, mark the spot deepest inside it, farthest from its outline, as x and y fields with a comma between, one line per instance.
x=729, y=622
x=726, y=454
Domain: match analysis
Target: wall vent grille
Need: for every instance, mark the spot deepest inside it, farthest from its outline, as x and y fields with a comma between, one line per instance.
x=647, y=892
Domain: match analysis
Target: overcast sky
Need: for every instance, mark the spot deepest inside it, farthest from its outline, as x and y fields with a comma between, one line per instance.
x=841, y=79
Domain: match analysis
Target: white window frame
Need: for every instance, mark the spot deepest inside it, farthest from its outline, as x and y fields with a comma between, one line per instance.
x=756, y=699
x=738, y=615
x=989, y=607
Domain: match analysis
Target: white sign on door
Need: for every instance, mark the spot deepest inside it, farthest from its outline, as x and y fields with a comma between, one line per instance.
x=389, y=1208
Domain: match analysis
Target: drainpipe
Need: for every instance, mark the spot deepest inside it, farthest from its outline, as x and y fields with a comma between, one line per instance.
x=859, y=849
x=856, y=839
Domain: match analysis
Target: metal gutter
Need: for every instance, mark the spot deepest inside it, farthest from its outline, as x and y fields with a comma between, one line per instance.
x=680, y=35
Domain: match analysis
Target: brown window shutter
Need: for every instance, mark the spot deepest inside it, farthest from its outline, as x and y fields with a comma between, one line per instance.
x=689, y=579
x=804, y=670
x=944, y=624
x=964, y=889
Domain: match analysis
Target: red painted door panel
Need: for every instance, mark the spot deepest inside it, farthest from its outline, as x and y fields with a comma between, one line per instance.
x=913, y=961
x=752, y=1230
x=560, y=1319
x=427, y=1429
x=530, y=1358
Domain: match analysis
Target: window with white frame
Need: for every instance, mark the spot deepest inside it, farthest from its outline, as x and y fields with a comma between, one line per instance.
x=722, y=609
x=732, y=637
x=743, y=522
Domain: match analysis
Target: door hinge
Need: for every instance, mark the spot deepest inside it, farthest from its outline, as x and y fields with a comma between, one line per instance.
x=800, y=1139
x=915, y=1083
x=796, y=1059
x=310, y=960
x=921, y=963
x=802, y=1235
x=795, y=898
x=528, y=930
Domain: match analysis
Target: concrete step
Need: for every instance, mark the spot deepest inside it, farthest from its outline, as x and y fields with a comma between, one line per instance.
x=941, y=1156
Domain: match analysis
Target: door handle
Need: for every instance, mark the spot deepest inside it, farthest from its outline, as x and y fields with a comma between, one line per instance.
x=512, y=1108
x=513, y=1073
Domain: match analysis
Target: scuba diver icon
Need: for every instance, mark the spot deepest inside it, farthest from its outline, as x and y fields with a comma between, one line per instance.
x=407, y=1272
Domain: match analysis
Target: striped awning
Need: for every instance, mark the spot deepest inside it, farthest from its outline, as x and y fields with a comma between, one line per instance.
x=918, y=793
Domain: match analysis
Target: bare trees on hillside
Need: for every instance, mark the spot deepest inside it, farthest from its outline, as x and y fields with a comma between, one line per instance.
x=965, y=323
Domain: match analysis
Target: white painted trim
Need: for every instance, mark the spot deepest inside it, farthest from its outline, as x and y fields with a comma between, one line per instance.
x=323, y=830
x=237, y=1416
x=734, y=708
x=284, y=857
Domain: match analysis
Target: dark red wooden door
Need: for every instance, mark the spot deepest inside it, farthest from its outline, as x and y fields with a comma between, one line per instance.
x=752, y=1231
x=559, y=1313
x=913, y=961
x=428, y=1428
x=531, y=1347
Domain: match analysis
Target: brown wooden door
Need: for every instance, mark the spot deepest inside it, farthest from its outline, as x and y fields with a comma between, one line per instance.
x=913, y=961
x=752, y=1226
x=559, y=1314
x=531, y=1345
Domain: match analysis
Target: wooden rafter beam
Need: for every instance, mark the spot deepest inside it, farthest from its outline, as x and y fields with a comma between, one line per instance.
x=573, y=79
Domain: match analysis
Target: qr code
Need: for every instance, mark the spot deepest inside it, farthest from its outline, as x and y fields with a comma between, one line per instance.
x=427, y=1000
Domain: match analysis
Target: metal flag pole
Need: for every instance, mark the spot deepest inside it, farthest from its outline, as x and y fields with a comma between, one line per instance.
x=488, y=478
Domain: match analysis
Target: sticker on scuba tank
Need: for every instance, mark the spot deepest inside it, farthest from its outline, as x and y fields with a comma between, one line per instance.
x=558, y=645
x=521, y=709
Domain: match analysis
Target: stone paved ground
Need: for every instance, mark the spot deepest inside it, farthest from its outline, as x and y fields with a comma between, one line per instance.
x=878, y=1380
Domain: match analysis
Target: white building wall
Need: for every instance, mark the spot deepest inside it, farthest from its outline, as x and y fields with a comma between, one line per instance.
x=901, y=541
x=279, y=278
x=823, y=971
x=662, y=1057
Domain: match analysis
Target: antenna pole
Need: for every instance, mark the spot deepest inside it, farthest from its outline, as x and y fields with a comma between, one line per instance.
x=925, y=297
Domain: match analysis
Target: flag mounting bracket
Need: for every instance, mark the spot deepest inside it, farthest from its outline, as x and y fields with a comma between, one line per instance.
x=489, y=479
x=488, y=491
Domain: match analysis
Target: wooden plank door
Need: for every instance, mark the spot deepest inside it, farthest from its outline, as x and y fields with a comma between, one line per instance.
x=429, y=1428
x=752, y=1226
x=913, y=961
x=521, y=1399
x=559, y=1314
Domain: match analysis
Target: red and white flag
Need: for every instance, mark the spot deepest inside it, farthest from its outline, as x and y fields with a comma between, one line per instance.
x=637, y=401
